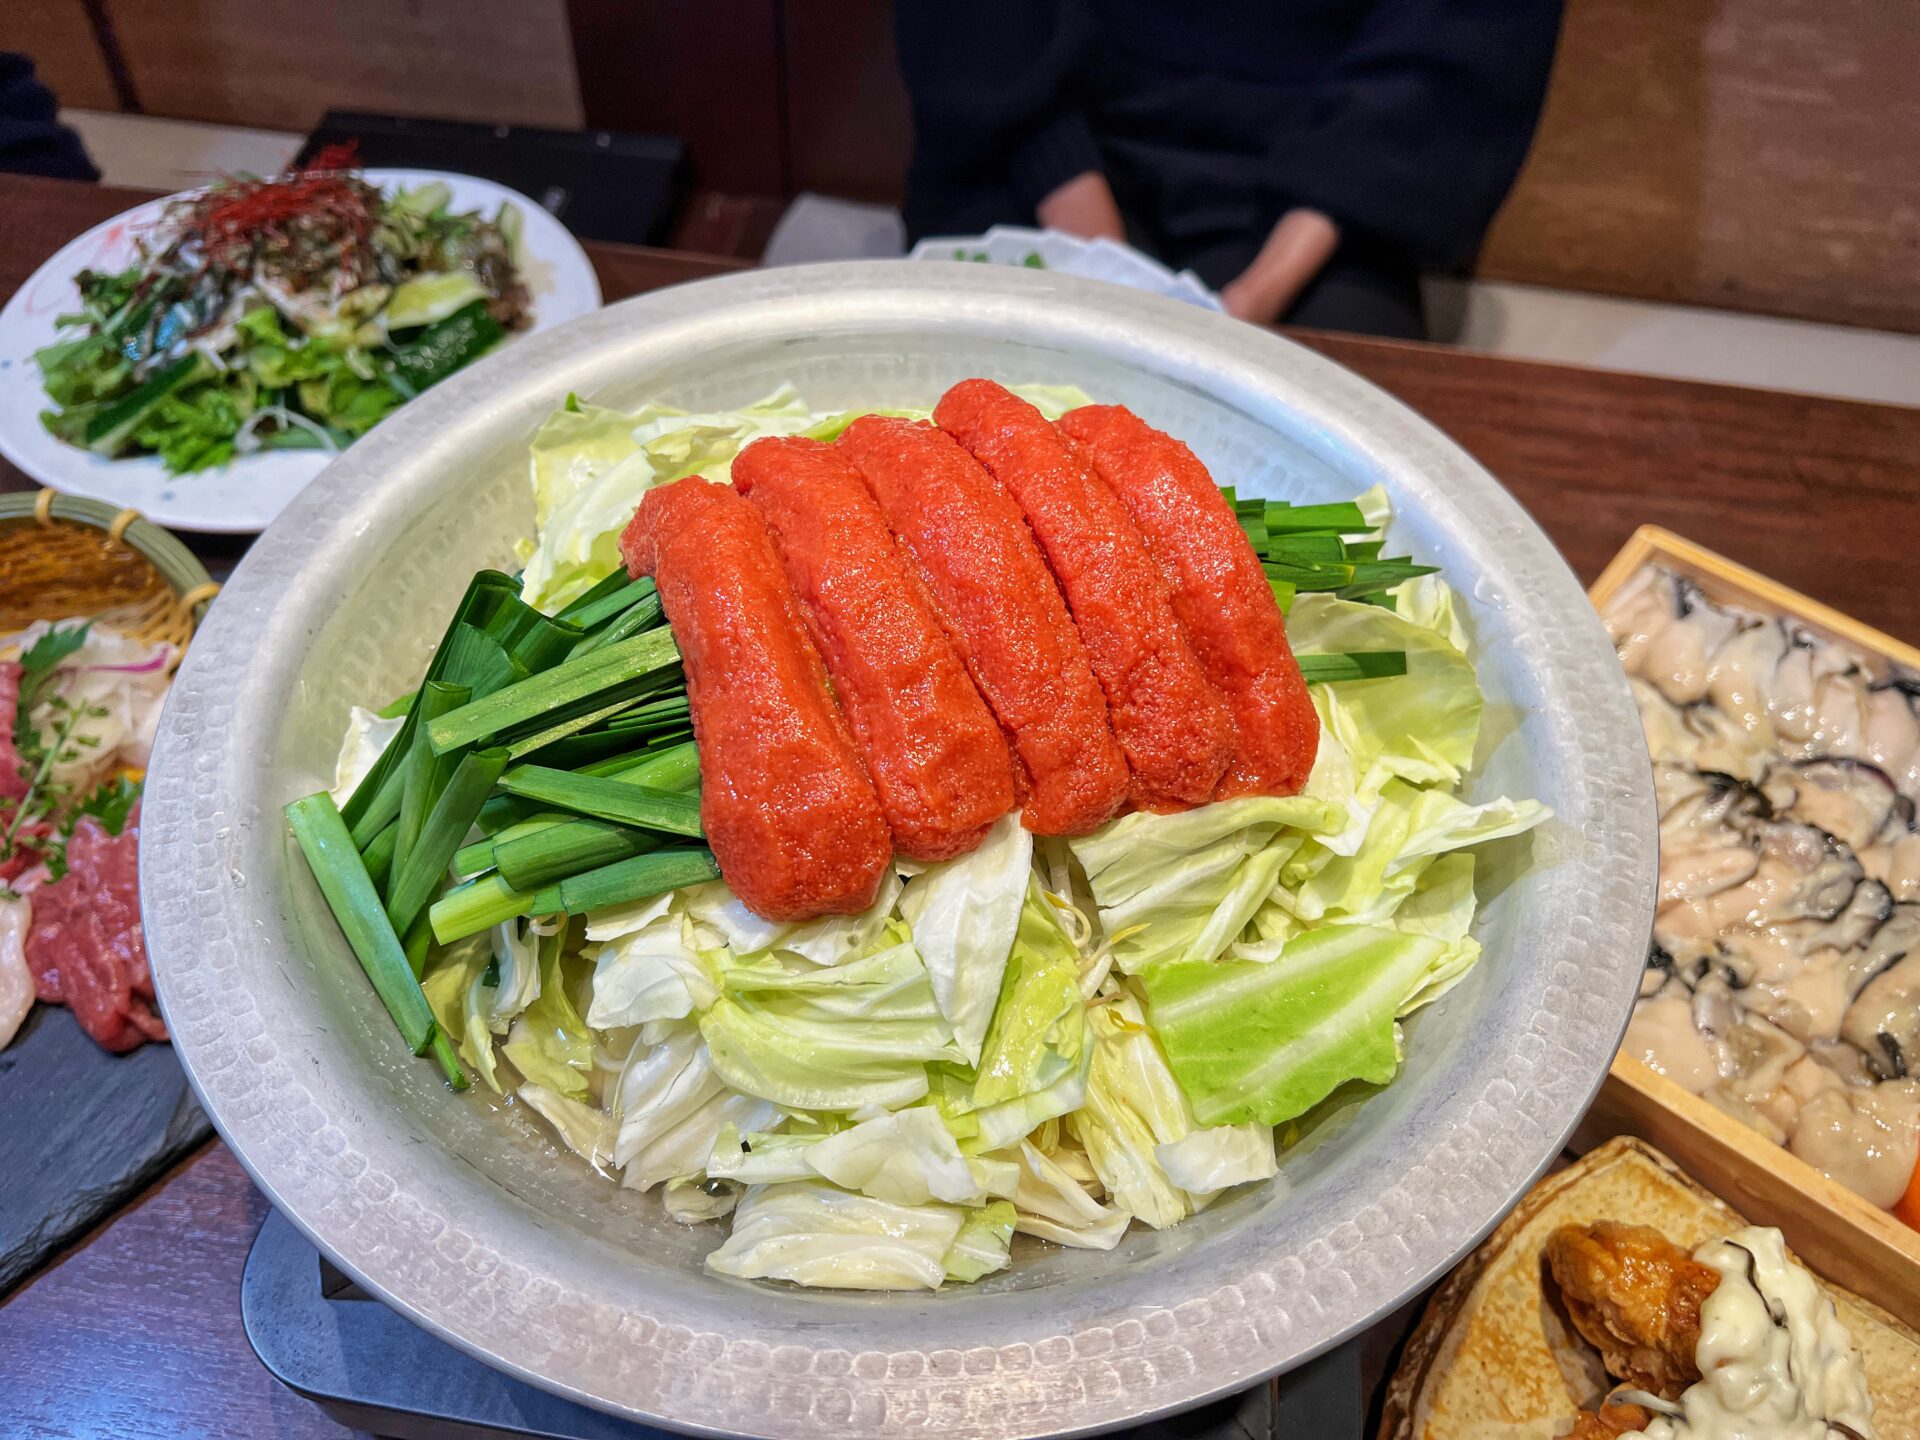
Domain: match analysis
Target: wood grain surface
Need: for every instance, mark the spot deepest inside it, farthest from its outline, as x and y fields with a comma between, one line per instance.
x=1744, y=154
x=136, y=1331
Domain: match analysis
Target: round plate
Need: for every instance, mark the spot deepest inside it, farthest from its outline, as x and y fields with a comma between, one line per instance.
x=464, y=1216
x=242, y=497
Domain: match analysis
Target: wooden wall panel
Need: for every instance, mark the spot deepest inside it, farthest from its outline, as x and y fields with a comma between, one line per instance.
x=706, y=70
x=849, y=132
x=56, y=36
x=1755, y=155
x=281, y=64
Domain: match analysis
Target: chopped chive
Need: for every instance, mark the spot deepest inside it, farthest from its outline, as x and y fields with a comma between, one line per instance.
x=478, y=661
x=639, y=617
x=621, y=799
x=1372, y=575
x=636, y=879
x=607, y=607
x=1307, y=550
x=560, y=730
x=336, y=865
x=1309, y=576
x=1364, y=549
x=571, y=681
x=475, y=859
x=417, y=941
x=1343, y=518
x=545, y=856
x=394, y=709
x=1283, y=593
x=424, y=777
x=478, y=905
x=425, y=866
x=578, y=752
x=450, y=1065
x=612, y=583
x=378, y=856
x=377, y=798
x=1356, y=665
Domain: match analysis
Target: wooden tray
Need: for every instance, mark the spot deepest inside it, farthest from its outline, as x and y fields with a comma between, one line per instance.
x=1840, y=1235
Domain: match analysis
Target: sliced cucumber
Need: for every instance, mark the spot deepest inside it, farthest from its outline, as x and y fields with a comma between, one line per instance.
x=107, y=432
x=428, y=298
x=426, y=200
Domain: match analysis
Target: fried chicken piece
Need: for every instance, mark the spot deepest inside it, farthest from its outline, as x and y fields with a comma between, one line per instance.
x=1609, y=1421
x=1635, y=1296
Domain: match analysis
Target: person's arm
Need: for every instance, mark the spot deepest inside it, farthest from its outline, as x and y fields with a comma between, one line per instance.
x=1418, y=132
x=992, y=86
x=1296, y=251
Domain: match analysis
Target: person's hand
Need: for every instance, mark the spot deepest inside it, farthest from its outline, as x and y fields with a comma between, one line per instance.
x=1084, y=206
x=1296, y=251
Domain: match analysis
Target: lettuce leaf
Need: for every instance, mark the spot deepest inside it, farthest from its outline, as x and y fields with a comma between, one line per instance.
x=1134, y=1106
x=672, y=1107
x=1054, y=1206
x=456, y=996
x=653, y=973
x=549, y=1043
x=907, y=1157
x=812, y=1233
x=1205, y=1162
x=361, y=747
x=590, y=466
x=587, y=1132
x=1421, y=726
x=1038, y=1029
x=982, y=1246
x=1184, y=886
x=1268, y=1041
x=964, y=915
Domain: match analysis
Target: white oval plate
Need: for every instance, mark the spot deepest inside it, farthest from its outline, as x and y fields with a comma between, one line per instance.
x=243, y=497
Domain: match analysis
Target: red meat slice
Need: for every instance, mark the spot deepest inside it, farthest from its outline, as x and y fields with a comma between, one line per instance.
x=85, y=947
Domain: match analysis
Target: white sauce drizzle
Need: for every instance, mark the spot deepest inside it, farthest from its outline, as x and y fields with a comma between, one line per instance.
x=1775, y=1361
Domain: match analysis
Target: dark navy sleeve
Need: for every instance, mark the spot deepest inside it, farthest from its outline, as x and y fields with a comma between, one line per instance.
x=993, y=90
x=32, y=139
x=1417, y=133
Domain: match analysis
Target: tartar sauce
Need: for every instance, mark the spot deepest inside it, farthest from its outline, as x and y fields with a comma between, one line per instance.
x=1775, y=1361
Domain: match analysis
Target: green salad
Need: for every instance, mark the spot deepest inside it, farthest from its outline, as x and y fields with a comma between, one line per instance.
x=1047, y=1036
x=291, y=313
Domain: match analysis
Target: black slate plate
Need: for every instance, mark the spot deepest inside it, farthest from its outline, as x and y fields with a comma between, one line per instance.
x=81, y=1132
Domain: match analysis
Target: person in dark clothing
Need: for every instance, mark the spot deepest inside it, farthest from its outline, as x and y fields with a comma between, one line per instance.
x=1307, y=158
x=32, y=139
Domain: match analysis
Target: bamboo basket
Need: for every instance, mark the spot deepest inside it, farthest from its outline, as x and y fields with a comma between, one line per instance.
x=1838, y=1234
x=62, y=556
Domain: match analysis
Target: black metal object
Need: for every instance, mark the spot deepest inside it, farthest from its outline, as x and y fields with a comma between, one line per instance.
x=602, y=184
x=323, y=1338
x=81, y=1133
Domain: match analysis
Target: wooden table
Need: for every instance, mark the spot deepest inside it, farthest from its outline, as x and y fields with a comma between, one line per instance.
x=136, y=1331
